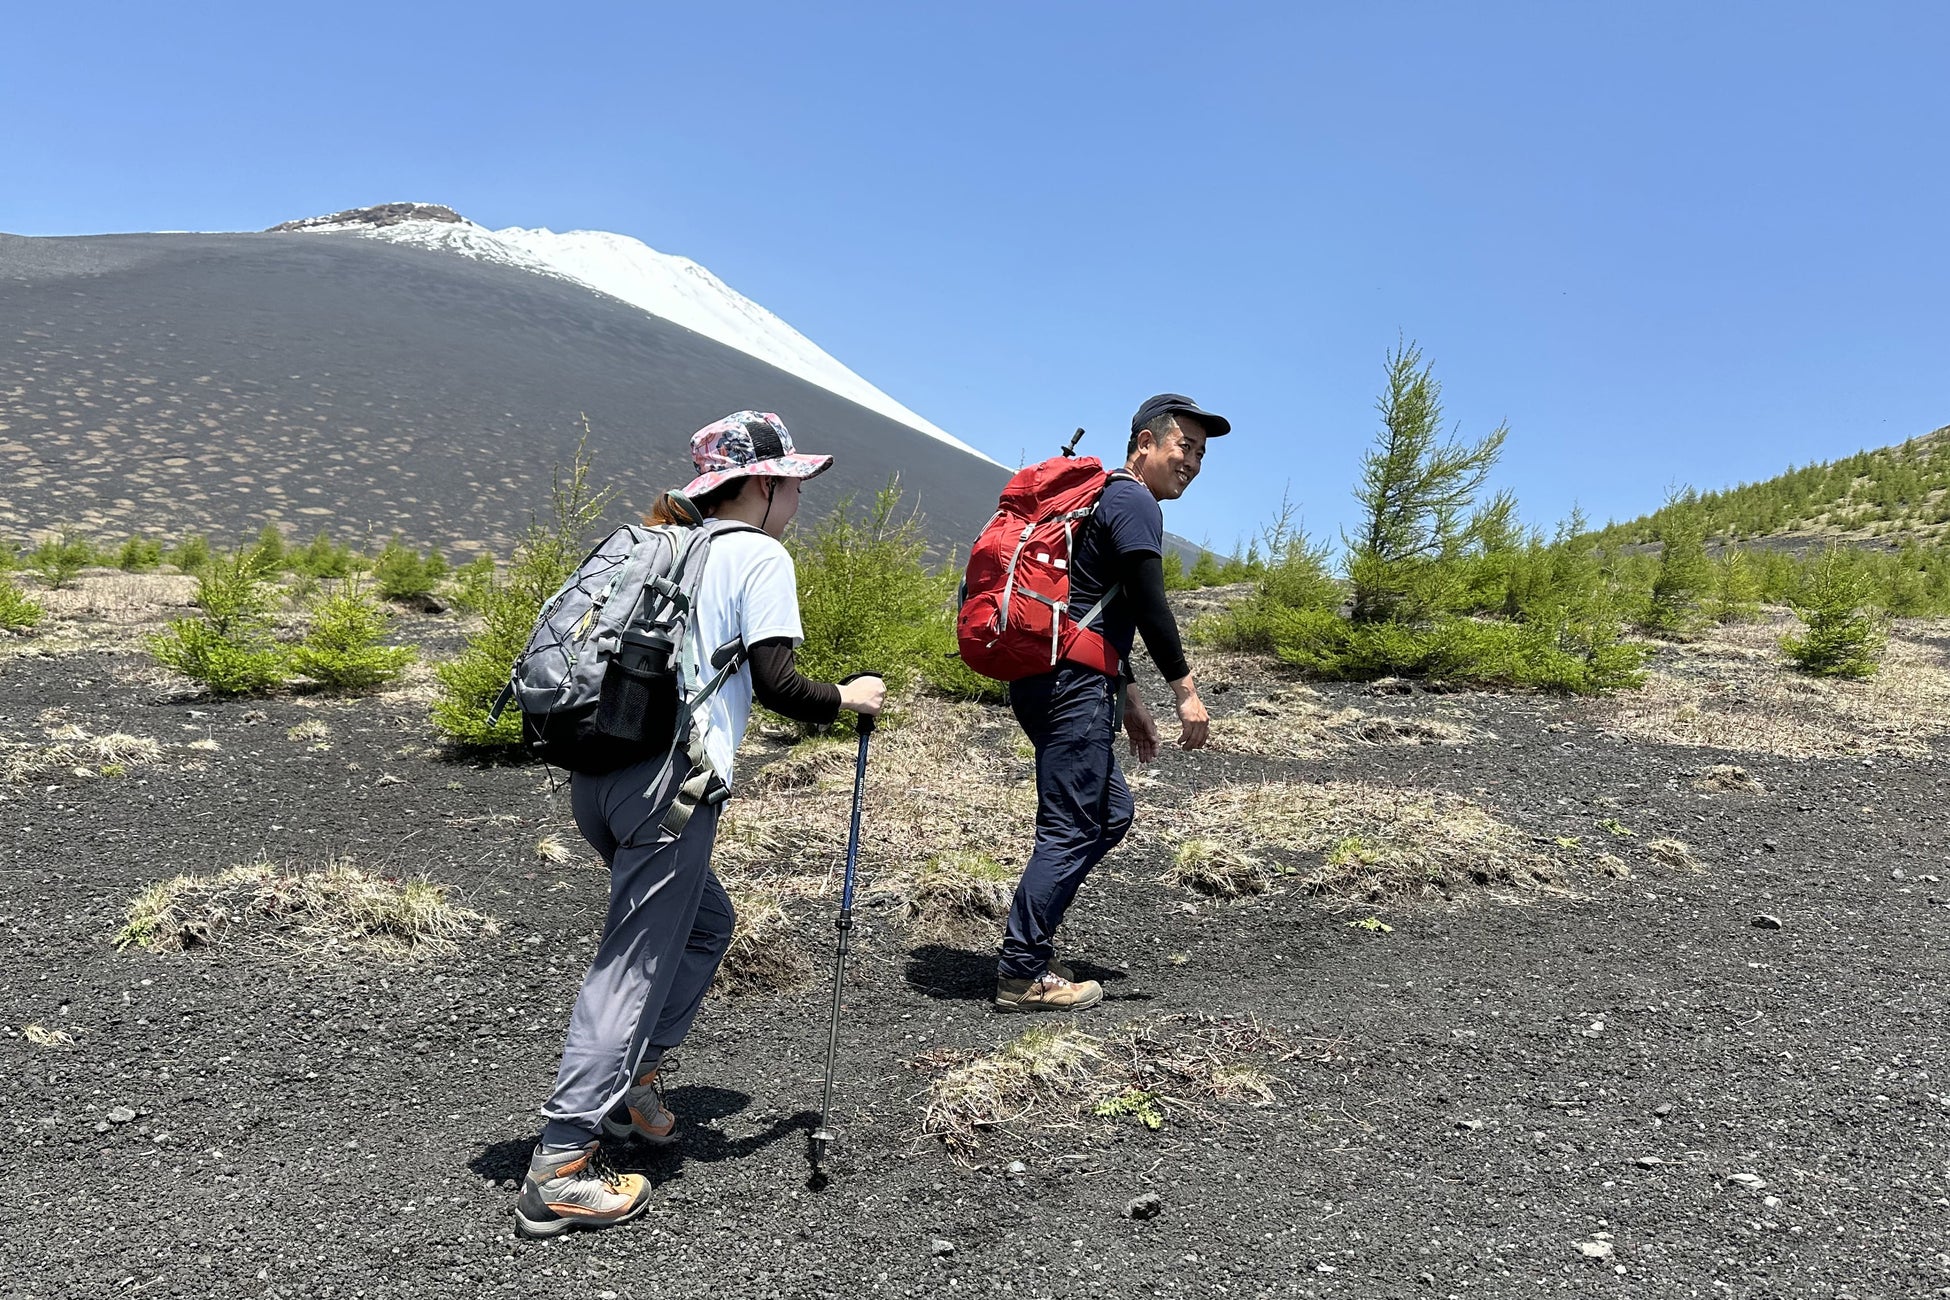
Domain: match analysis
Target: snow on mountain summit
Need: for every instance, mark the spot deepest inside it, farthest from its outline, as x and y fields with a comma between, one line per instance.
x=673, y=288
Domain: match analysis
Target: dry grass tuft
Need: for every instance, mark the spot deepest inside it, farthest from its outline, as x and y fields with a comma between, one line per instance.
x=1145, y=1071
x=1296, y=722
x=79, y=753
x=1185, y=1059
x=1734, y=691
x=1413, y=731
x=960, y=897
x=1292, y=722
x=1363, y=842
x=42, y=1036
x=1216, y=870
x=1050, y=1065
x=310, y=729
x=765, y=955
x=130, y=604
x=1727, y=778
x=1673, y=853
x=554, y=849
x=339, y=904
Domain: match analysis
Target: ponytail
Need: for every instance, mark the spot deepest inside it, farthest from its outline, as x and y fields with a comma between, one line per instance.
x=673, y=507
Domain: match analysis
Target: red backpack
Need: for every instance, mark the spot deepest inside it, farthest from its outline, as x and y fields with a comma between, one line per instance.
x=1015, y=611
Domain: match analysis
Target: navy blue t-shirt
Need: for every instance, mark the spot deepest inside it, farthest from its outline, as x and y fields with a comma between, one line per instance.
x=1128, y=522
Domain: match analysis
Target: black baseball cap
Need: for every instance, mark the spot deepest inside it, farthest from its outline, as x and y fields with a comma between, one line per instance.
x=1179, y=404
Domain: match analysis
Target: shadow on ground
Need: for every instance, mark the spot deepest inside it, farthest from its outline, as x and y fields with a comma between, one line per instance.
x=959, y=975
x=697, y=1107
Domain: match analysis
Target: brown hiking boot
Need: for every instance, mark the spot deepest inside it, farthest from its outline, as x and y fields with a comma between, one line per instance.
x=1061, y=969
x=642, y=1110
x=1048, y=992
x=575, y=1189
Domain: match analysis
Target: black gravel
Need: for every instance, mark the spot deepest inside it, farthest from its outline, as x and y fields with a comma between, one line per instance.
x=1476, y=1096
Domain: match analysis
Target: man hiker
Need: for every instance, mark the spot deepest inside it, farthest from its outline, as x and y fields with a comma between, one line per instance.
x=1071, y=714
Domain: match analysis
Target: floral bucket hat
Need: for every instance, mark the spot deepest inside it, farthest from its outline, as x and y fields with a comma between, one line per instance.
x=748, y=444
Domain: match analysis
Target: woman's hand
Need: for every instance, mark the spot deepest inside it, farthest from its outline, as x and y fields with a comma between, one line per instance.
x=864, y=695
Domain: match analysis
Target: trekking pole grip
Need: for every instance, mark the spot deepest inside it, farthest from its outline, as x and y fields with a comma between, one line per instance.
x=866, y=719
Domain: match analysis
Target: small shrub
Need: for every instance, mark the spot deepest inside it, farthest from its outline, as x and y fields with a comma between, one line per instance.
x=1735, y=595
x=471, y=585
x=1294, y=579
x=1416, y=496
x=192, y=554
x=1139, y=1103
x=229, y=649
x=1573, y=655
x=344, y=649
x=1846, y=635
x=546, y=555
x=1685, y=577
x=323, y=558
x=58, y=558
x=268, y=551
x=404, y=574
x=18, y=610
x=139, y=555
x=869, y=603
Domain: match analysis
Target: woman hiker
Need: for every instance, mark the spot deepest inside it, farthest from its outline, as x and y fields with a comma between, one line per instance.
x=669, y=919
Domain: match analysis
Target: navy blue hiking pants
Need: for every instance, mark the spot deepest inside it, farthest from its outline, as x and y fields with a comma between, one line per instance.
x=1083, y=807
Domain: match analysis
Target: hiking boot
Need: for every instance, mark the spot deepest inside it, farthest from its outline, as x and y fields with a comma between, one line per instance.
x=575, y=1189
x=1061, y=969
x=642, y=1110
x=1048, y=992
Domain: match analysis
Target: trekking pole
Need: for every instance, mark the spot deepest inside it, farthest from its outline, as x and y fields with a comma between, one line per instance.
x=823, y=1136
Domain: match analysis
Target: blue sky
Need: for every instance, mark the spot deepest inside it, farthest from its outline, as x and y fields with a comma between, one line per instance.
x=1666, y=243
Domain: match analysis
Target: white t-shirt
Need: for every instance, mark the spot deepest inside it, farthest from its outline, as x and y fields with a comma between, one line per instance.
x=749, y=590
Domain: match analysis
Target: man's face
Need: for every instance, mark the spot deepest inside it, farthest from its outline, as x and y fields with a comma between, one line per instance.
x=1169, y=469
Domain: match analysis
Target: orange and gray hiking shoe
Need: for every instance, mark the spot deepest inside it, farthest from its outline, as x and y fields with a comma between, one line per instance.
x=1047, y=992
x=575, y=1189
x=642, y=1111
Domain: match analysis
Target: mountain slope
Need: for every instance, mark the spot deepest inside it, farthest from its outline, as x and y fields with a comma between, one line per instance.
x=674, y=288
x=169, y=383
x=1889, y=495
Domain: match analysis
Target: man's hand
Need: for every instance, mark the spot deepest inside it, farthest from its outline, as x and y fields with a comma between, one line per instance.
x=1139, y=725
x=1194, y=727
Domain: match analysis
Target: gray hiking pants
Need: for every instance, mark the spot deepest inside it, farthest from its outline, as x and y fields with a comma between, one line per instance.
x=668, y=927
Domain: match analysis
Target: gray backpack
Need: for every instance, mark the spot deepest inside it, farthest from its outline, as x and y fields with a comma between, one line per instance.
x=610, y=674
